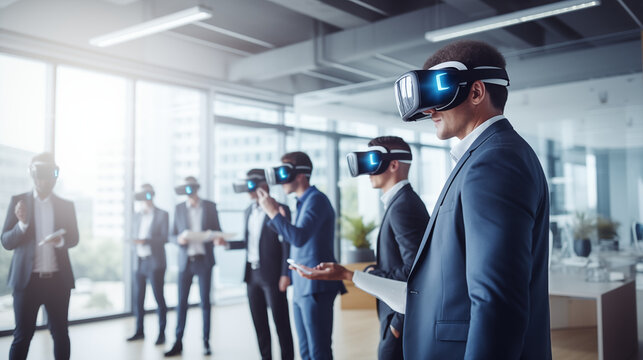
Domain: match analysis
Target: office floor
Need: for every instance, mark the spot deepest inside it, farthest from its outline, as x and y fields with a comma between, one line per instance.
x=355, y=337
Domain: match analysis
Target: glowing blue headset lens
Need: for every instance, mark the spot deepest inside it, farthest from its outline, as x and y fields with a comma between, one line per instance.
x=148, y=196
x=371, y=161
x=188, y=189
x=251, y=185
x=56, y=173
x=283, y=173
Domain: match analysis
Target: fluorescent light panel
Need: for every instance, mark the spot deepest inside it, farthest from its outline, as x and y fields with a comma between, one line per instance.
x=514, y=18
x=154, y=26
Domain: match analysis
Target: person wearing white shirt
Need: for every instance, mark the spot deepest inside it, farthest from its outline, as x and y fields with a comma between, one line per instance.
x=267, y=276
x=149, y=235
x=39, y=228
x=196, y=257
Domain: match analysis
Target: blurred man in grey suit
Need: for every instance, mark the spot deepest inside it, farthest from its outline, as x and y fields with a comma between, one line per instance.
x=149, y=234
x=40, y=271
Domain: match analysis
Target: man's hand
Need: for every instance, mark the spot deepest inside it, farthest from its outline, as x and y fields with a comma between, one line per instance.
x=219, y=241
x=326, y=271
x=139, y=241
x=284, y=282
x=394, y=332
x=21, y=211
x=269, y=205
x=182, y=240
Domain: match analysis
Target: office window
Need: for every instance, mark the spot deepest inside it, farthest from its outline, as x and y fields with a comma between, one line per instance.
x=22, y=135
x=91, y=113
x=167, y=142
x=256, y=147
x=435, y=171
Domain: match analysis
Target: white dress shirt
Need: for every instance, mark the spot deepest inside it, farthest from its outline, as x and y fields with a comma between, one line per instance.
x=460, y=148
x=146, y=216
x=195, y=217
x=387, y=196
x=45, y=254
x=255, y=225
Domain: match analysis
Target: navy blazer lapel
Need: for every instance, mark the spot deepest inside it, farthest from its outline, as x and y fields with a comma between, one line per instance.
x=379, y=234
x=498, y=126
x=204, y=215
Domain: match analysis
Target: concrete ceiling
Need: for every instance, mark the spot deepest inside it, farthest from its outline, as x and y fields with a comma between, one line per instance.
x=335, y=54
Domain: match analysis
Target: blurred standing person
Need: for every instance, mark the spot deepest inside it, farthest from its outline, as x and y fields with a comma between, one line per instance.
x=150, y=233
x=312, y=242
x=195, y=257
x=40, y=271
x=266, y=275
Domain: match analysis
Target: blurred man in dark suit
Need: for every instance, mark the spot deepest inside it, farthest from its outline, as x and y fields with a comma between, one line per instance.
x=267, y=275
x=40, y=271
x=195, y=257
x=150, y=232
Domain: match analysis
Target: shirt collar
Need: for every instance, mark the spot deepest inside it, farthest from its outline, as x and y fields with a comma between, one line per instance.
x=189, y=206
x=306, y=194
x=460, y=148
x=388, y=196
x=35, y=196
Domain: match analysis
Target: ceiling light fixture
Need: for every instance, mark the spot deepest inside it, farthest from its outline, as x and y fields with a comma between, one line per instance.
x=513, y=18
x=153, y=26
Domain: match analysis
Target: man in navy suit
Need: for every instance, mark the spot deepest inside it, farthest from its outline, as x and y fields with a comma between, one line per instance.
x=311, y=239
x=405, y=218
x=267, y=276
x=478, y=288
x=40, y=272
x=149, y=234
x=195, y=257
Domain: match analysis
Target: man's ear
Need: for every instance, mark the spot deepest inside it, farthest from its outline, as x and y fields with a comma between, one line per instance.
x=478, y=92
x=393, y=166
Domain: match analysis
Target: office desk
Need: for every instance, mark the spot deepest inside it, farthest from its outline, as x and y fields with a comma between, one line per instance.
x=614, y=312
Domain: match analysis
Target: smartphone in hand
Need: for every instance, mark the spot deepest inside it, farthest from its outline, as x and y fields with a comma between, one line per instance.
x=298, y=267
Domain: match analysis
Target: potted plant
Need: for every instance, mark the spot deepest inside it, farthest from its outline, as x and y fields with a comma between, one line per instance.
x=607, y=230
x=354, y=230
x=583, y=227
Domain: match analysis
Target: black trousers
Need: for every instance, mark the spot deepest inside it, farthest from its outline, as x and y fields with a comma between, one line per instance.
x=156, y=277
x=55, y=297
x=196, y=265
x=260, y=297
x=390, y=347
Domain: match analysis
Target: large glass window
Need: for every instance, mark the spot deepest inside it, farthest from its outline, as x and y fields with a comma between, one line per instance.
x=91, y=128
x=167, y=147
x=22, y=135
x=237, y=150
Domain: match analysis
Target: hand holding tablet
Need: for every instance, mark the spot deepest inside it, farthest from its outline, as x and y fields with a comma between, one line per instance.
x=52, y=236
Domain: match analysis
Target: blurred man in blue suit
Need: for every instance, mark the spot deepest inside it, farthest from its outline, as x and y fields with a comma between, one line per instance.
x=149, y=233
x=40, y=272
x=478, y=288
x=311, y=239
x=195, y=257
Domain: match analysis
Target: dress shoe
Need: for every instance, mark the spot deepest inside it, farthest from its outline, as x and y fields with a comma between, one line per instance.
x=175, y=350
x=137, y=336
x=160, y=340
x=206, y=348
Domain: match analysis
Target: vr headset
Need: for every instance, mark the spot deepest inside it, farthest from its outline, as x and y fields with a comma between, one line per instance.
x=375, y=160
x=186, y=189
x=44, y=171
x=285, y=173
x=442, y=87
x=248, y=185
x=144, y=195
